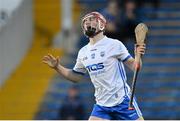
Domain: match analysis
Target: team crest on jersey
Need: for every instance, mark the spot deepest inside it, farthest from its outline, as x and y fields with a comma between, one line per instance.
x=85, y=58
x=93, y=55
x=93, y=50
x=102, y=54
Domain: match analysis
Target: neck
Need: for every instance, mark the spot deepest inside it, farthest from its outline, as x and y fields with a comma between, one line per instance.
x=96, y=38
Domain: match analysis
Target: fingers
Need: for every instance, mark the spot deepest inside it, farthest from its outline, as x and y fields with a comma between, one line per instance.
x=140, y=45
x=140, y=49
x=58, y=60
x=45, y=59
x=49, y=58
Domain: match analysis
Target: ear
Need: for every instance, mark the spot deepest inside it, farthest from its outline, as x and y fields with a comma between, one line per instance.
x=101, y=25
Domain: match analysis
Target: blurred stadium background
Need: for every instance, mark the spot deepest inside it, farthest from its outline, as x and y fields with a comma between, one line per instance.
x=29, y=29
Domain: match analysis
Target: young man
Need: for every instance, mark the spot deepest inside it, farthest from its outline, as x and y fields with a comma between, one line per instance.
x=103, y=59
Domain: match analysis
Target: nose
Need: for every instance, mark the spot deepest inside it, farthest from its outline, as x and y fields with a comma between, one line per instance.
x=87, y=23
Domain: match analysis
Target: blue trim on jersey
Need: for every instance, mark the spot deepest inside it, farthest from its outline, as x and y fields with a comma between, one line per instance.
x=125, y=78
x=78, y=72
x=121, y=71
x=118, y=112
x=136, y=105
x=137, y=108
x=129, y=56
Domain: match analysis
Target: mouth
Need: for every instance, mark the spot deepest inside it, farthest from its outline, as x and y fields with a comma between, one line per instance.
x=90, y=27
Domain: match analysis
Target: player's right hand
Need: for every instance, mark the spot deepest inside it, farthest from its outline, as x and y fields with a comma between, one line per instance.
x=51, y=61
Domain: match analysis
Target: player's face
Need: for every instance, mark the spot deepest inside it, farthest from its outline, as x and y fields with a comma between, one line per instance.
x=90, y=22
x=90, y=26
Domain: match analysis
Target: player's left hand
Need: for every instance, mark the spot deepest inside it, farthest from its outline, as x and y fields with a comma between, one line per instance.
x=140, y=49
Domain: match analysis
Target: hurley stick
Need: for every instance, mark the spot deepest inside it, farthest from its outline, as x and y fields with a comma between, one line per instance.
x=140, y=32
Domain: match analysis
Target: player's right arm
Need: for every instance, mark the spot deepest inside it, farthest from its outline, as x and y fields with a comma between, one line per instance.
x=69, y=74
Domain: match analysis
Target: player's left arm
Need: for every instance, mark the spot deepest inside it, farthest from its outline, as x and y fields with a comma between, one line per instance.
x=139, y=49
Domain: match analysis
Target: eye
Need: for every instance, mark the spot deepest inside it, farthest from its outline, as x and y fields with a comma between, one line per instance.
x=92, y=18
x=85, y=20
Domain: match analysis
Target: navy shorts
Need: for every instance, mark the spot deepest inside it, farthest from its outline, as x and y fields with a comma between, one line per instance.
x=118, y=112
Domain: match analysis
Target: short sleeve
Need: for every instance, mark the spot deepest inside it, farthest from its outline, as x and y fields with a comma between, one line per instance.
x=119, y=51
x=79, y=67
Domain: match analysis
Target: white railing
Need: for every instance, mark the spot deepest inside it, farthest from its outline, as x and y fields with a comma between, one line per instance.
x=15, y=38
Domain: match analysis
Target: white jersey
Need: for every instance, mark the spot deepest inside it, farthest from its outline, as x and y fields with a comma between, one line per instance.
x=104, y=63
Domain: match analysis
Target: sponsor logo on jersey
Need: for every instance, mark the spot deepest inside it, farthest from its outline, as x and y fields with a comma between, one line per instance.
x=116, y=95
x=93, y=55
x=85, y=58
x=102, y=54
x=93, y=50
x=95, y=67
